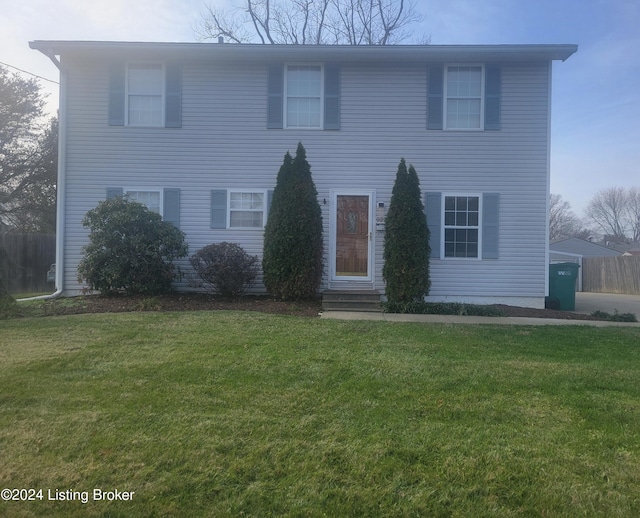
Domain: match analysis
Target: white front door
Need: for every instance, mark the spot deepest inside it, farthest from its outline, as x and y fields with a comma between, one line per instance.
x=352, y=237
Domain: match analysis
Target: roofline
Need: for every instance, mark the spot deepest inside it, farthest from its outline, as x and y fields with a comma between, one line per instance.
x=563, y=240
x=255, y=52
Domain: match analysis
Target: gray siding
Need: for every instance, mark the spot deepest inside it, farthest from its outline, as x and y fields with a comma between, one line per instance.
x=224, y=143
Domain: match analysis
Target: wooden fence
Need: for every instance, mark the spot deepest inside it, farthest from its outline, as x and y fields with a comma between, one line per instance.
x=611, y=274
x=29, y=258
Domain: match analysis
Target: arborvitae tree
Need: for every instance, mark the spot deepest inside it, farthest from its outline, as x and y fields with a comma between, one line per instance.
x=406, y=245
x=292, y=259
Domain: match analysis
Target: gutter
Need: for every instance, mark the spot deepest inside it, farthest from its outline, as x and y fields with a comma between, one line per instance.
x=61, y=180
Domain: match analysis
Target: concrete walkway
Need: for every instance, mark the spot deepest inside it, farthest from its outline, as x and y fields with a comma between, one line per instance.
x=454, y=319
x=586, y=303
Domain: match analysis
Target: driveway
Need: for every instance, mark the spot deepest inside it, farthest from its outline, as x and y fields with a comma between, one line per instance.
x=587, y=302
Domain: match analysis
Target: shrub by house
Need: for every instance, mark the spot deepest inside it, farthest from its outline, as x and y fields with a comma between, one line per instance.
x=406, y=246
x=130, y=249
x=292, y=259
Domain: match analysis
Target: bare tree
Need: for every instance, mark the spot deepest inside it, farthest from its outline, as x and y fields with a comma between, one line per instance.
x=609, y=211
x=563, y=222
x=633, y=213
x=312, y=22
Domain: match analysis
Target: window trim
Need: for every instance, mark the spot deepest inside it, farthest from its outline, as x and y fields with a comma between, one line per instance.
x=285, y=95
x=160, y=191
x=445, y=96
x=163, y=95
x=247, y=190
x=444, y=226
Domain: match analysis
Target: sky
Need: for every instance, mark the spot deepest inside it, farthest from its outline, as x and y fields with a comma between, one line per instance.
x=595, y=130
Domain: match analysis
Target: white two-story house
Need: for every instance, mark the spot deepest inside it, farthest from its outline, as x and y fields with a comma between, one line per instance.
x=198, y=133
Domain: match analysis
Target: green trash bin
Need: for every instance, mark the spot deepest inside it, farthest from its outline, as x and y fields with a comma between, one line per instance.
x=562, y=286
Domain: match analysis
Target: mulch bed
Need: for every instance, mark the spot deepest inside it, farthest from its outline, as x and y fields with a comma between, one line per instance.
x=202, y=302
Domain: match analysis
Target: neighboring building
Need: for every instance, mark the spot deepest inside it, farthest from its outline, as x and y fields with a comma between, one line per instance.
x=577, y=246
x=198, y=132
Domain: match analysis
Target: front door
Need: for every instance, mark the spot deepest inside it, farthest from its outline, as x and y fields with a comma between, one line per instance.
x=353, y=237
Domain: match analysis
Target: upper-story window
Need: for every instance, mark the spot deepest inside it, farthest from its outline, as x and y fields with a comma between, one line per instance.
x=303, y=96
x=145, y=94
x=463, y=98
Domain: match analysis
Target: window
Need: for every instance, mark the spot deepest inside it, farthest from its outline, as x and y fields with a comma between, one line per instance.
x=145, y=95
x=151, y=199
x=463, y=97
x=303, y=96
x=247, y=209
x=461, y=226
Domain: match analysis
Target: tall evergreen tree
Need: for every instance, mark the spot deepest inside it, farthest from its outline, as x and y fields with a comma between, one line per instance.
x=292, y=259
x=406, y=246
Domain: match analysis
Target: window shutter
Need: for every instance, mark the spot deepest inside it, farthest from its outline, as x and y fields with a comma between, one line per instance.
x=219, y=209
x=275, y=103
x=113, y=192
x=433, y=210
x=331, y=97
x=116, y=94
x=435, y=97
x=171, y=206
x=173, y=99
x=492, y=98
x=490, y=223
x=269, y=201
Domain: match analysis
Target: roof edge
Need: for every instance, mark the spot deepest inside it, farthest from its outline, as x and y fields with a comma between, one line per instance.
x=506, y=52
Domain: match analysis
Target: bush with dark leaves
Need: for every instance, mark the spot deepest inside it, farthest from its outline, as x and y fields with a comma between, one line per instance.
x=225, y=269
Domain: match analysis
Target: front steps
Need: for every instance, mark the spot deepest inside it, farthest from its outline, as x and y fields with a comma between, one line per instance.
x=340, y=300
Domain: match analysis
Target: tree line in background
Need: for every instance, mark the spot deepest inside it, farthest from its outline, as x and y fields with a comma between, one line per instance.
x=612, y=212
x=28, y=157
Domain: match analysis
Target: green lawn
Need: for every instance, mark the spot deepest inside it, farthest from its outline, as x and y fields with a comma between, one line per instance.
x=246, y=414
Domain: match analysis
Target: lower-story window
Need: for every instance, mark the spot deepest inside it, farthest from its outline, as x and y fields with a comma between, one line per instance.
x=151, y=199
x=246, y=209
x=461, y=226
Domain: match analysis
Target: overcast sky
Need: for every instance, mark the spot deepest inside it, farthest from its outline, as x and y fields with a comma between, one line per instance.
x=595, y=140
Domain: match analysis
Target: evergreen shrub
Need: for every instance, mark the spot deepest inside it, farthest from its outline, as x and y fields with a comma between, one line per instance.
x=130, y=250
x=292, y=259
x=406, y=245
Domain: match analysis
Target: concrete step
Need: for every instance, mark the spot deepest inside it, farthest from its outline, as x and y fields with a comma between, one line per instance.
x=333, y=300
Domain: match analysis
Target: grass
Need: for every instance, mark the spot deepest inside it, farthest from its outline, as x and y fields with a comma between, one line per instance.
x=229, y=414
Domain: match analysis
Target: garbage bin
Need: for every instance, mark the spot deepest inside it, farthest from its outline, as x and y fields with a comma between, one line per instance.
x=562, y=286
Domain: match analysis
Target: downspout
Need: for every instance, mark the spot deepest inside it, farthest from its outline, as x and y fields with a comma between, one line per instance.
x=61, y=180
x=548, y=189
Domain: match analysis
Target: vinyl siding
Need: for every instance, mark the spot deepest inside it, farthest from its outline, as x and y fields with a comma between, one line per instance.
x=224, y=143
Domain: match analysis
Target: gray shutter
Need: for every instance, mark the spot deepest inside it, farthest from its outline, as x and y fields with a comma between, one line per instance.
x=269, y=201
x=173, y=100
x=116, y=94
x=490, y=224
x=435, y=97
x=275, y=102
x=171, y=206
x=113, y=192
x=492, y=98
x=433, y=210
x=331, y=97
x=219, y=208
